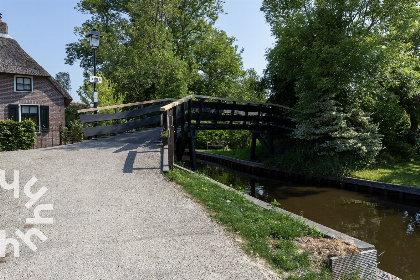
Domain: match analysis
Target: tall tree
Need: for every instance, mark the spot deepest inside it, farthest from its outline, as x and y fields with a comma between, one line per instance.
x=326, y=51
x=63, y=78
x=159, y=48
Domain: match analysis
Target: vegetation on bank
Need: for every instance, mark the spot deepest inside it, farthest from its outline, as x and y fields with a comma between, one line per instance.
x=404, y=173
x=265, y=234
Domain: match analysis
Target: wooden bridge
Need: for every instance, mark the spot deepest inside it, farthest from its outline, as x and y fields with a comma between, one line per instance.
x=182, y=118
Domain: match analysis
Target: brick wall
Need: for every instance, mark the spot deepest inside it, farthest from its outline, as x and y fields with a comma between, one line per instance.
x=44, y=93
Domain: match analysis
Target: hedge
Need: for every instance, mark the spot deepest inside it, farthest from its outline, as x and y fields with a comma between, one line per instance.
x=17, y=135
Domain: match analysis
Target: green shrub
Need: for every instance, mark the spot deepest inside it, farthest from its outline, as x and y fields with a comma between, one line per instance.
x=302, y=159
x=17, y=135
x=72, y=133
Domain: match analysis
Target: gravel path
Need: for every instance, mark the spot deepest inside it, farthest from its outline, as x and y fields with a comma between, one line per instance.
x=115, y=217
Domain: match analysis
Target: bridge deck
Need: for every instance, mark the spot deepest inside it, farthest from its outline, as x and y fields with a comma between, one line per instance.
x=115, y=217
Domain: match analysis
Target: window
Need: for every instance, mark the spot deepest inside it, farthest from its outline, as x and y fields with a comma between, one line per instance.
x=39, y=114
x=23, y=84
x=28, y=112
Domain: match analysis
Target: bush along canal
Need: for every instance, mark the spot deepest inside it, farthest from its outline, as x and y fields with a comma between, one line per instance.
x=393, y=228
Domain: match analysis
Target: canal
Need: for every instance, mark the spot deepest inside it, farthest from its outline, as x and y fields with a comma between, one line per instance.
x=393, y=228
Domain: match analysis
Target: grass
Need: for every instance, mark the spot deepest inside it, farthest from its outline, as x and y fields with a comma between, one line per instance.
x=405, y=173
x=242, y=153
x=266, y=234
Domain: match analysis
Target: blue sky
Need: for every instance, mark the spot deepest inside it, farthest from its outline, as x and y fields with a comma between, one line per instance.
x=44, y=27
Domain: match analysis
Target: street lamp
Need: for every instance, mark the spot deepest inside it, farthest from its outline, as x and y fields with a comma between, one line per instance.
x=94, y=38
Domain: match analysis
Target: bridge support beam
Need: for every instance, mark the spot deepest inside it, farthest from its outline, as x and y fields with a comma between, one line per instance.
x=268, y=145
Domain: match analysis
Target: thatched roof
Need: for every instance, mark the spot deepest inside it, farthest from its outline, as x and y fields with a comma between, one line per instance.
x=14, y=60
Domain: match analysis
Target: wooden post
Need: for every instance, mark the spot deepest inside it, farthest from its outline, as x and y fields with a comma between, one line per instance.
x=217, y=113
x=183, y=118
x=253, y=146
x=189, y=115
x=252, y=185
x=232, y=113
x=116, y=111
x=193, y=156
x=200, y=110
x=171, y=142
x=141, y=106
x=175, y=124
x=246, y=114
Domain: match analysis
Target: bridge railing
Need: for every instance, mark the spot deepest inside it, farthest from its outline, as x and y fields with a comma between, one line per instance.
x=196, y=112
x=145, y=113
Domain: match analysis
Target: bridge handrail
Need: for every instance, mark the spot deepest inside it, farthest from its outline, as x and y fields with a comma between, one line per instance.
x=185, y=99
x=125, y=105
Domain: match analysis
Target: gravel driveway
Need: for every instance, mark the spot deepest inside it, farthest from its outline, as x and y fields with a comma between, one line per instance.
x=115, y=217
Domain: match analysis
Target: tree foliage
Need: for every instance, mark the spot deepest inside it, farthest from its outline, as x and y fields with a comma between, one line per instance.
x=332, y=58
x=63, y=78
x=159, y=48
x=107, y=96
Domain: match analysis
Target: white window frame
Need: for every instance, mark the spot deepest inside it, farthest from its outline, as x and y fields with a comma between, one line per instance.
x=20, y=76
x=39, y=114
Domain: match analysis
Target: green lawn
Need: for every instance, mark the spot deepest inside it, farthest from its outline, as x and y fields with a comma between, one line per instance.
x=407, y=173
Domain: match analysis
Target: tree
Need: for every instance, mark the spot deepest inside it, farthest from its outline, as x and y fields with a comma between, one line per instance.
x=106, y=94
x=63, y=78
x=159, y=48
x=325, y=50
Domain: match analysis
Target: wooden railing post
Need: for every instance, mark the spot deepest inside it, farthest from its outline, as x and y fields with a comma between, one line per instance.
x=232, y=113
x=246, y=114
x=174, y=123
x=217, y=113
x=171, y=142
x=200, y=110
x=116, y=111
x=189, y=115
x=182, y=118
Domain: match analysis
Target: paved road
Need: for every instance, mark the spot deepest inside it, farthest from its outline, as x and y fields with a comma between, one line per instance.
x=115, y=217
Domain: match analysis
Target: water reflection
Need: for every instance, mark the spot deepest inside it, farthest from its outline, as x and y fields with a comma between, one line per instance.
x=393, y=228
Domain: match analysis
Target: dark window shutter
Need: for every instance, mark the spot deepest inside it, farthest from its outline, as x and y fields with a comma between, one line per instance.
x=45, y=118
x=14, y=112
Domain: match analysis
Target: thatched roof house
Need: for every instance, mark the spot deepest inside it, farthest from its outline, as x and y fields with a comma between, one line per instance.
x=14, y=60
x=27, y=90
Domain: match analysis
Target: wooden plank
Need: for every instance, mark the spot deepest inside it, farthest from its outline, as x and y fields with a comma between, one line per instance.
x=238, y=101
x=185, y=99
x=118, y=128
x=125, y=105
x=175, y=103
x=234, y=118
x=171, y=142
x=120, y=115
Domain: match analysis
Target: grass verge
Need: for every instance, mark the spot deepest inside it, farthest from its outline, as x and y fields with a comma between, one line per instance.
x=404, y=173
x=266, y=234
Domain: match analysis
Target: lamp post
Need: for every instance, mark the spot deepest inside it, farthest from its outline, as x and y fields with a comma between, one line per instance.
x=94, y=37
